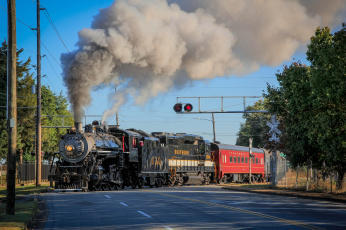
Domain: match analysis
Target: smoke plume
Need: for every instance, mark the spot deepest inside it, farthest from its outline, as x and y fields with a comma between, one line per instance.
x=149, y=47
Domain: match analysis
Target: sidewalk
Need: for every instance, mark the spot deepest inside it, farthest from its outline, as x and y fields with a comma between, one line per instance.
x=286, y=192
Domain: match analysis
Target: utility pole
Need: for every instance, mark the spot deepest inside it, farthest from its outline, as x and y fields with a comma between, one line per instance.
x=250, y=158
x=38, y=113
x=11, y=107
x=117, y=119
x=214, y=127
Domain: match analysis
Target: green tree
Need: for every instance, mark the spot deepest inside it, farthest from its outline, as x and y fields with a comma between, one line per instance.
x=52, y=107
x=24, y=99
x=26, y=120
x=255, y=126
x=311, y=101
x=327, y=54
x=292, y=103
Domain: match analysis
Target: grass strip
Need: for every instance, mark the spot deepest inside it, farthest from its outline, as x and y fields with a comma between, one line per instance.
x=24, y=208
x=24, y=211
x=24, y=190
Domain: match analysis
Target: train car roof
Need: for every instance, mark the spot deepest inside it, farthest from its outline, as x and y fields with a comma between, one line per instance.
x=237, y=148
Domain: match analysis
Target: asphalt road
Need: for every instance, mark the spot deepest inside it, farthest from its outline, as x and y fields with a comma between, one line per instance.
x=190, y=207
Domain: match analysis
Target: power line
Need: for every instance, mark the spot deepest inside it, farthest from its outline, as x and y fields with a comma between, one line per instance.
x=46, y=13
x=20, y=47
x=17, y=18
x=53, y=67
x=54, y=28
x=35, y=35
x=47, y=50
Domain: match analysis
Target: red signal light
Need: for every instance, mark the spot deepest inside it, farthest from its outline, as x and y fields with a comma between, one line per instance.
x=178, y=107
x=188, y=107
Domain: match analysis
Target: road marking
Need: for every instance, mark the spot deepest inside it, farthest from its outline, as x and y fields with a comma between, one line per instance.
x=108, y=196
x=292, y=222
x=144, y=214
x=123, y=204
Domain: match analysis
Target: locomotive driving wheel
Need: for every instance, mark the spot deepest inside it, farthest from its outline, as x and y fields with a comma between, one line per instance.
x=140, y=183
x=105, y=187
x=112, y=186
x=98, y=187
x=118, y=186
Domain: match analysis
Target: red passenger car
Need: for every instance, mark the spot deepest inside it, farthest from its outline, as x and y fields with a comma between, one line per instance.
x=232, y=163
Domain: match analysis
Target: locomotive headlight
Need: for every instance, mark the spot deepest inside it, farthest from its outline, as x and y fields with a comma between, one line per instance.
x=69, y=148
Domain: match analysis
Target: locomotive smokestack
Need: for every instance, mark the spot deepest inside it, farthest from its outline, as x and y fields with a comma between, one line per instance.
x=79, y=127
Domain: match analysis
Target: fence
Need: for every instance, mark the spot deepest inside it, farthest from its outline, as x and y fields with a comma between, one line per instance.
x=303, y=178
x=26, y=173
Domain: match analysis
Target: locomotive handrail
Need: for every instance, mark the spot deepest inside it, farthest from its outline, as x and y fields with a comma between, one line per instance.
x=106, y=152
x=71, y=166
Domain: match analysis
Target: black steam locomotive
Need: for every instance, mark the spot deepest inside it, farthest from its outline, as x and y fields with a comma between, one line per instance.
x=106, y=157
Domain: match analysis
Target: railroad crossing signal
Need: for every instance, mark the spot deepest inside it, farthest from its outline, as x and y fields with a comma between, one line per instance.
x=188, y=107
x=178, y=108
x=274, y=129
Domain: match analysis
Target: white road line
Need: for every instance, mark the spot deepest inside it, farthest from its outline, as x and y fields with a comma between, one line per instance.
x=144, y=214
x=123, y=204
x=108, y=196
x=167, y=227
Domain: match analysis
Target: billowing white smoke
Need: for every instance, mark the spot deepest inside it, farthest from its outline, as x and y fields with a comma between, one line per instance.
x=148, y=47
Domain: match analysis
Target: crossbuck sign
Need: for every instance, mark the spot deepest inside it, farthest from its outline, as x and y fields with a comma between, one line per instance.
x=274, y=130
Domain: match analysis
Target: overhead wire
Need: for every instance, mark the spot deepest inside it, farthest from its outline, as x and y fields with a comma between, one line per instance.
x=46, y=13
x=53, y=67
x=34, y=33
x=17, y=18
x=54, y=28
x=32, y=29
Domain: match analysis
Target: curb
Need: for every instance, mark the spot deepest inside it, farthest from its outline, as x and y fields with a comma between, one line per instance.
x=40, y=217
x=292, y=194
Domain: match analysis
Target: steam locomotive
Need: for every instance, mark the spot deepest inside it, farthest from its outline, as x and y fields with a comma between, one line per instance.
x=106, y=157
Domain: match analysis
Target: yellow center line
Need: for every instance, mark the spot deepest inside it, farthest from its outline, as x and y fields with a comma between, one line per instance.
x=292, y=222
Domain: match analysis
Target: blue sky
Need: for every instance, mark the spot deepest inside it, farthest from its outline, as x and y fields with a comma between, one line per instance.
x=70, y=17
